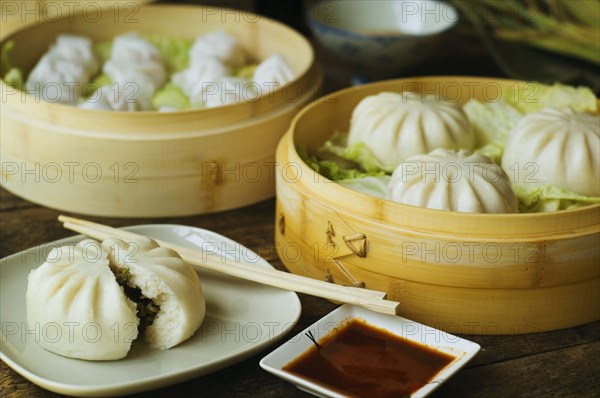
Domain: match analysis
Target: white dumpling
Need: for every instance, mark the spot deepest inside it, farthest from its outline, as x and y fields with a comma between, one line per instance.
x=130, y=47
x=77, y=49
x=395, y=126
x=171, y=284
x=54, y=79
x=123, y=97
x=98, y=101
x=74, y=297
x=453, y=180
x=151, y=74
x=202, y=75
x=61, y=74
x=229, y=90
x=135, y=61
x=273, y=72
x=220, y=45
x=557, y=148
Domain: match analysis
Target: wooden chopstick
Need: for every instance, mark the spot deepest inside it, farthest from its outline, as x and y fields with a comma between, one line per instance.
x=371, y=299
x=102, y=232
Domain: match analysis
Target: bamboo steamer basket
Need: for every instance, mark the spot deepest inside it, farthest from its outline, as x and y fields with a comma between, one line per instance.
x=17, y=14
x=462, y=273
x=152, y=164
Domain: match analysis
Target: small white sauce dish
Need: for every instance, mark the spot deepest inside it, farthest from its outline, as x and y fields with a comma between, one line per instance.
x=434, y=339
x=380, y=38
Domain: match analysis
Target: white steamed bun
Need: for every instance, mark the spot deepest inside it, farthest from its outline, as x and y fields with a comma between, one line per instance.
x=557, y=148
x=453, y=180
x=395, y=126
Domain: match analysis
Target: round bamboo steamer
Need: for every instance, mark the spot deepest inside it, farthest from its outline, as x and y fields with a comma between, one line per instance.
x=459, y=272
x=261, y=37
x=152, y=164
x=17, y=14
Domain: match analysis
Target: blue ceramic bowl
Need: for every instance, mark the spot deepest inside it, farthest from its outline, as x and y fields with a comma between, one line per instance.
x=380, y=38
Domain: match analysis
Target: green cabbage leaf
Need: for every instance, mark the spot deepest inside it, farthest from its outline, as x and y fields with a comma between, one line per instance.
x=371, y=185
x=550, y=198
x=13, y=76
x=533, y=97
x=170, y=96
x=335, y=169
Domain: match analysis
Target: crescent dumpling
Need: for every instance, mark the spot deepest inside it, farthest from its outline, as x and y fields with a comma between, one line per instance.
x=395, y=126
x=455, y=181
x=557, y=148
x=173, y=305
x=74, y=301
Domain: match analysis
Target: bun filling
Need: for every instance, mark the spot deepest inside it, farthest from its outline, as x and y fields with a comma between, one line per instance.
x=147, y=309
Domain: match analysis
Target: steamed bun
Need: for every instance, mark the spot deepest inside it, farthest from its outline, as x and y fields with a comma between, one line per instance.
x=95, y=299
x=168, y=281
x=75, y=297
x=395, y=126
x=455, y=181
x=556, y=148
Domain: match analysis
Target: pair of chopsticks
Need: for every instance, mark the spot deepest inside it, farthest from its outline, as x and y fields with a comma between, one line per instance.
x=371, y=299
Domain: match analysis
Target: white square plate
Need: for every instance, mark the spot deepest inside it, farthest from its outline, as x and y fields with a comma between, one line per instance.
x=435, y=339
x=242, y=318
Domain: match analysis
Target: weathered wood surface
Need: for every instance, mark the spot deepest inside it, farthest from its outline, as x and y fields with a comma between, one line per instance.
x=563, y=363
x=555, y=364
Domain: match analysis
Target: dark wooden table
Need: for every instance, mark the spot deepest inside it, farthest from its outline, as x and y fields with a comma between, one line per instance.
x=563, y=363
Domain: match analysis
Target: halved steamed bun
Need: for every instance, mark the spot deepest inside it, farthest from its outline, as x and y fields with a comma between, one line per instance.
x=95, y=299
x=556, y=148
x=395, y=126
x=173, y=307
x=455, y=181
x=76, y=299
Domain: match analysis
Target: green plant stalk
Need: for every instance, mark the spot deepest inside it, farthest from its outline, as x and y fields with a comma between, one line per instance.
x=586, y=12
x=536, y=28
x=556, y=44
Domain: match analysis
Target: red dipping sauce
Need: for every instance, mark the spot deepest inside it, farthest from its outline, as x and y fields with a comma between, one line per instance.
x=360, y=360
